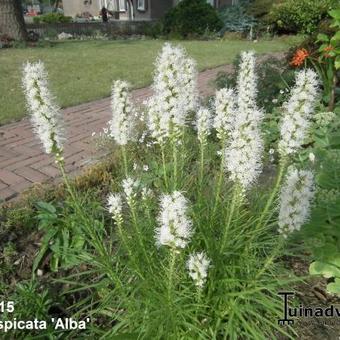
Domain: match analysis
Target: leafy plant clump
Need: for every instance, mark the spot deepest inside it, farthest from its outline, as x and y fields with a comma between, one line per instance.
x=52, y=18
x=301, y=16
x=191, y=17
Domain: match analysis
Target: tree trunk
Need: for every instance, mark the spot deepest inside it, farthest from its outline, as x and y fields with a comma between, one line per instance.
x=12, y=21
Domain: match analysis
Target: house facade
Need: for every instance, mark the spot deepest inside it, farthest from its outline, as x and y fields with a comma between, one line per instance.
x=128, y=9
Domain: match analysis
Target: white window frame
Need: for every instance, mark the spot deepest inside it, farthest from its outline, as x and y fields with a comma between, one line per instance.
x=122, y=5
x=103, y=3
x=141, y=5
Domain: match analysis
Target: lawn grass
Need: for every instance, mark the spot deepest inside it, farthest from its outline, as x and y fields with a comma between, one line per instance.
x=81, y=71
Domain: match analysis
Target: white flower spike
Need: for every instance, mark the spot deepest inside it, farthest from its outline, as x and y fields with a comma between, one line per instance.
x=295, y=199
x=297, y=112
x=123, y=122
x=175, y=228
x=45, y=114
x=243, y=154
x=115, y=205
x=175, y=93
x=198, y=265
x=204, y=122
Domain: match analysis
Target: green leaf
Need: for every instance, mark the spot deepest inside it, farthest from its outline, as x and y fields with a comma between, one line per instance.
x=322, y=37
x=334, y=287
x=324, y=269
x=337, y=62
x=44, y=246
x=46, y=207
x=335, y=13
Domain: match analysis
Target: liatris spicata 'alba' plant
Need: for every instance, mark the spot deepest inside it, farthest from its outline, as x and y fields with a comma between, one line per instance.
x=297, y=112
x=243, y=154
x=45, y=114
x=198, y=265
x=175, y=93
x=175, y=227
x=225, y=112
x=296, y=195
x=123, y=122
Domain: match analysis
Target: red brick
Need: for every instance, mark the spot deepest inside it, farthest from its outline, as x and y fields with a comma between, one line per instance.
x=7, y=194
x=20, y=187
x=27, y=162
x=9, y=177
x=32, y=175
x=50, y=171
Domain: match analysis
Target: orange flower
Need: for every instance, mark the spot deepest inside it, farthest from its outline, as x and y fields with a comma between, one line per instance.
x=299, y=57
x=328, y=48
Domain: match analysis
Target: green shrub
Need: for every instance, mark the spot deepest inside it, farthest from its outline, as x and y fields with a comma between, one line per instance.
x=192, y=17
x=235, y=18
x=52, y=18
x=261, y=8
x=301, y=16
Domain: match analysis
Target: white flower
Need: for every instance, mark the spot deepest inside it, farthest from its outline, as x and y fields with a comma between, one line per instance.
x=243, y=154
x=297, y=112
x=115, y=206
x=311, y=157
x=146, y=193
x=295, y=199
x=198, y=265
x=271, y=151
x=129, y=188
x=175, y=93
x=145, y=168
x=225, y=112
x=46, y=115
x=175, y=228
x=203, y=124
x=123, y=122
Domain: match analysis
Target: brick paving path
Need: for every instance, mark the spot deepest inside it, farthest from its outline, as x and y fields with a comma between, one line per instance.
x=23, y=162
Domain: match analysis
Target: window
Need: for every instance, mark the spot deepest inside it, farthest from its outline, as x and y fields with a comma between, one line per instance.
x=141, y=5
x=122, y=6
x=211, y=2
x=112, y=5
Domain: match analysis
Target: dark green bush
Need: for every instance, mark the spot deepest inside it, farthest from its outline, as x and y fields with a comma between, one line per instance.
x=51, y=18
x=192, y=17
x=301, y=16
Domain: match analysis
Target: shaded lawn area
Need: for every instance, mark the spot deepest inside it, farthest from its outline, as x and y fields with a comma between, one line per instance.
x=81, y=71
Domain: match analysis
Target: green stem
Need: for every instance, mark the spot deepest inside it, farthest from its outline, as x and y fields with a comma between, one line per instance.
x=174, y=149
x=272, y=196
x=171, y=274
x=123, y=148
x=164, y=168
x=138, y=232
x=201, y=165
x=235, y=201
x=270, y=259
x=104, y=256
x=219, y=186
